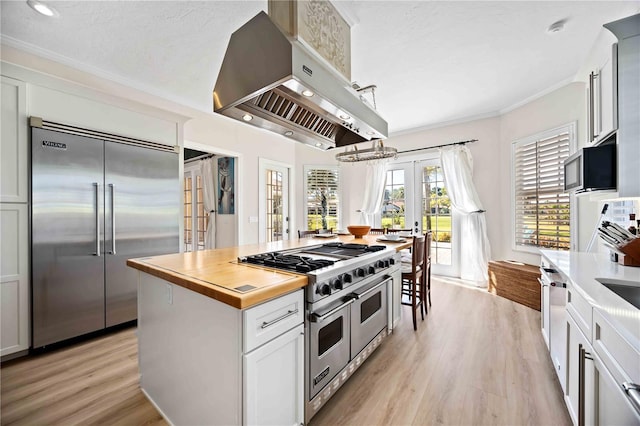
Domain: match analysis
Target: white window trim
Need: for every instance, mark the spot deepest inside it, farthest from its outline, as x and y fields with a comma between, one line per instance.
x=570, y=128
x=333, y=167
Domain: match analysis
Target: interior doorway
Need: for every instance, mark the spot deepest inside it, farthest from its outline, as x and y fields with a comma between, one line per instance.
x=209, y=200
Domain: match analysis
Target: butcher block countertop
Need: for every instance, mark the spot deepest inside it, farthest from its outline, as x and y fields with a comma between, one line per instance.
x=217, y=274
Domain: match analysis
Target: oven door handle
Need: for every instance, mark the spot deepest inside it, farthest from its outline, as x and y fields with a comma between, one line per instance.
x=370, y=289
x=315, y=317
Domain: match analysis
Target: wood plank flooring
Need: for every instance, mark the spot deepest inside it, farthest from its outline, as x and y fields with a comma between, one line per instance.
x=476, y=359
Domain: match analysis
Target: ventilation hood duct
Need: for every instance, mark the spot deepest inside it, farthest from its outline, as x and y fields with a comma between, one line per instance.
x=271, y=81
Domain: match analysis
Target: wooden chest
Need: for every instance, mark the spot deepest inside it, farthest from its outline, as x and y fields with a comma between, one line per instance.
x=515, y=281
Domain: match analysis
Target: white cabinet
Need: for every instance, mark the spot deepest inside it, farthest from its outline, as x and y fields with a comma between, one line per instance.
x=579, y=389
x=14, y=278
x=205, y=362
x=14, y=217
x=13, y=143
x=602, y=98
x=274, y=380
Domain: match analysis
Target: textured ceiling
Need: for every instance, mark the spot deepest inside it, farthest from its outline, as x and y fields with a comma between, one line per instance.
x=433, y=62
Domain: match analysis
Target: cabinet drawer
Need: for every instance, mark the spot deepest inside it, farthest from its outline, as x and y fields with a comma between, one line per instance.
x=579, y=309
x=620, y=358
x=270, y=319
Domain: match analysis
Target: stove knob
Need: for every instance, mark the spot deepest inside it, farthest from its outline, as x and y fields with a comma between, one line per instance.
x=380, y=264
x=360, y=272
x=386, y=263
x=325, y=290
x=347, y=278
x=337, y=284
x=371, y=270
x=392, y=261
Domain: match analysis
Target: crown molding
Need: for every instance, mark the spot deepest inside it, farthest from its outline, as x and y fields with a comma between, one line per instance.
x=445, y=123
x=538, y=95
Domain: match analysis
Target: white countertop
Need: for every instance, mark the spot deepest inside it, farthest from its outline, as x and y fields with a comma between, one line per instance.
x=583, y=268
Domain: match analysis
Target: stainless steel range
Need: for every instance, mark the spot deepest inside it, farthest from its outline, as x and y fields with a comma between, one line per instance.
x=348, y=308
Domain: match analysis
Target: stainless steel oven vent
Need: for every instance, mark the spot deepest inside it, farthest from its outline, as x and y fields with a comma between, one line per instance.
x=271, y=81
x=279, y=106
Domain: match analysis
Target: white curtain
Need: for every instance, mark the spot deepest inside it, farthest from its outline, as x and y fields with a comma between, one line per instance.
x=457, y=167
x=208, y=172
x=373, y=191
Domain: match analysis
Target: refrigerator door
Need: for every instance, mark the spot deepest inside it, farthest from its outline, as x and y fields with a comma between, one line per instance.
x=66, y=231
x=142, y=208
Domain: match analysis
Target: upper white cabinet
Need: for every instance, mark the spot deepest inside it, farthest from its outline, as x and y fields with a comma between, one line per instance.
x=13, y=145
x=627, y=31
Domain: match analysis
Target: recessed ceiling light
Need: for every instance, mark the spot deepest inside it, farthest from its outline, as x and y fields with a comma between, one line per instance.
x=556, y=27
x=42, y=8
x=307, y=93
x=247, y=117
x=344, y=116
x=288, y=133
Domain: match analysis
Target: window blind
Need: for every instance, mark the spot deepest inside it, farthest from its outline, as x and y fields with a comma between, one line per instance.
x=322, y=183
x=541, y=206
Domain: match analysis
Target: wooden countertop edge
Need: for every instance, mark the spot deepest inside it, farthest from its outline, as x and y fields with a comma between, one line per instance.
x=237, y=300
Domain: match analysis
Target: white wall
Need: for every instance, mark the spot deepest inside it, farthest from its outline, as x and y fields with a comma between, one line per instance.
x=248, y=144
x=555, y=109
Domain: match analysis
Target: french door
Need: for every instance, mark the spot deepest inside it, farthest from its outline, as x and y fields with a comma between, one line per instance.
x=195, y=218
x=433, y=212
x=274, y=201
x=416, y=198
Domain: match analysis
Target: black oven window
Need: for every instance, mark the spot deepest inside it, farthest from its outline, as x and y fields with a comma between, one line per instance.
x=370, y=306
x=329, y=335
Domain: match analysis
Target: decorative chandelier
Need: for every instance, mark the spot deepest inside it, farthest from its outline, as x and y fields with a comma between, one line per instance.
x=377, y=152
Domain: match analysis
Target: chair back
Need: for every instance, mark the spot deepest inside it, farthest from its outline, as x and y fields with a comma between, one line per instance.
x=418, y=251
x=376, y=231
x=307, y=234
x=427, y=246
x=395, y=231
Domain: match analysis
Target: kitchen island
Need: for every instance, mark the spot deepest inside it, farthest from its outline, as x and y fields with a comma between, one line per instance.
x=222, y=342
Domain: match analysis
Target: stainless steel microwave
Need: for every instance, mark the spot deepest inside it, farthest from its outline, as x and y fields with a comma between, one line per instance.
x=592, y=168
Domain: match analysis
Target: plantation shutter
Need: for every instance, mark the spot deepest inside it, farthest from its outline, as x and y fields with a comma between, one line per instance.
x=322, y=182
x=541, y=206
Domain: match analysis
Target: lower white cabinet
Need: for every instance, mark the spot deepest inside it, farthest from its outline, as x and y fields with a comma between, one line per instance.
x=14, y=278
x=203, y=362
x=610, y=404
x=273, y=381
x=579, y=389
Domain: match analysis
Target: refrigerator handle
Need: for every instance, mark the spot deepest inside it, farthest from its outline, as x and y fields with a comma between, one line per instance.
x=97, y=252
x=113, y=219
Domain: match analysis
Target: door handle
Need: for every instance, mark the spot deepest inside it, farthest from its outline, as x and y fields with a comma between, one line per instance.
x=97, y=188
x=582, y=356
x=315, y=317
x=289, y=313
x=633, y=392
x=113, y=219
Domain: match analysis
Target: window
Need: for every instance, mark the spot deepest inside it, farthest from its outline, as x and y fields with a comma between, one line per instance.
x=541, y=207
x=323, y=199
x=619, y=212
x=393, y=203
x=275, y=206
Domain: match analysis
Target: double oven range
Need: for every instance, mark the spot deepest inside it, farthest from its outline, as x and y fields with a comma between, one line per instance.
x=348, y=309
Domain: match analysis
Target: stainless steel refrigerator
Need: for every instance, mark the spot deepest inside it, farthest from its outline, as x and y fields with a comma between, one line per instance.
x=94, y=204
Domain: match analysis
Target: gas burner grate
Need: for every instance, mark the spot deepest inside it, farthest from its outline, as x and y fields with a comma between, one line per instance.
x=289, y=262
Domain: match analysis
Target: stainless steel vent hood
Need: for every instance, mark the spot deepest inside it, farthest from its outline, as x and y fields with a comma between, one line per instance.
x=271, y=81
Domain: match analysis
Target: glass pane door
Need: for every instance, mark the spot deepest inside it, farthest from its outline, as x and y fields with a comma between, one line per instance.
x=276, y=197
x=397, y=202
x=437, y=216
x=195, y=218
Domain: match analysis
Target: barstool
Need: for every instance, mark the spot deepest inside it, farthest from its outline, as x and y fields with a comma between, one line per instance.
x=413, y=275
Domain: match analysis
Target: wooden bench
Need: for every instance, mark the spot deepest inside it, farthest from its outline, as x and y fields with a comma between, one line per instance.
x=515, y=281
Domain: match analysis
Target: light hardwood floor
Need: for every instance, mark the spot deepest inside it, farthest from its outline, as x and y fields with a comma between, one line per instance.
x=476, y=359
